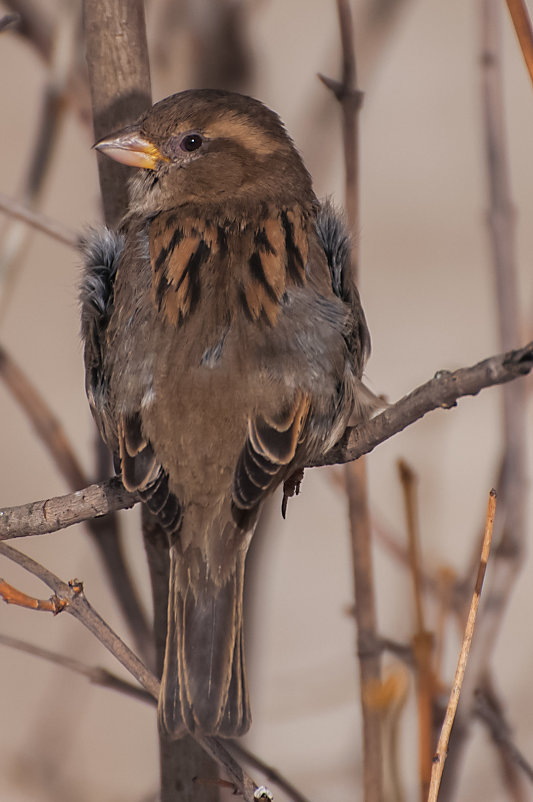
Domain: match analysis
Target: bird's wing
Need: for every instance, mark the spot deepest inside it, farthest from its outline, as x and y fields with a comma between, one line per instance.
x=270, y=447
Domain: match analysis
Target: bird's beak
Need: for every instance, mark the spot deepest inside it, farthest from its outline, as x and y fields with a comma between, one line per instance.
x=129, y=147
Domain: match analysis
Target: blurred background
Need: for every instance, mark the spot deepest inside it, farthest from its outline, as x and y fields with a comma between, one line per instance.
x=428, y=292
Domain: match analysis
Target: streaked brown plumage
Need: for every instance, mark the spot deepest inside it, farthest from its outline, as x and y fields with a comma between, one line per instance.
x=224, y=347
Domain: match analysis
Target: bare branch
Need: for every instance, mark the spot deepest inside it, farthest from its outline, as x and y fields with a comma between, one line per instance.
x=50, y=515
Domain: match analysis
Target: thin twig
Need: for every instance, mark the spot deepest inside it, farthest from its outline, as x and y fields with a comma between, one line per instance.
x=95, y=674
x=269, y=772
x=12, y=595
x=442, y=746
x=56, y=230
x=522, y=25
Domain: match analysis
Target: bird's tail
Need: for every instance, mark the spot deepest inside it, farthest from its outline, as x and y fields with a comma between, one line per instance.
x=203, y=686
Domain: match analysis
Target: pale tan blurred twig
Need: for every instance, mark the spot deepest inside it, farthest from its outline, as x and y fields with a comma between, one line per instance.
x=422, y=639
x=20, y=211
x=387, y=698
x=442, y=746
x=522, y=25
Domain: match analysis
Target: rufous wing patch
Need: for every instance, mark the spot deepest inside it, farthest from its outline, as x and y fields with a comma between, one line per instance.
x=277, y=259
x=179, y=249
x=263, y=258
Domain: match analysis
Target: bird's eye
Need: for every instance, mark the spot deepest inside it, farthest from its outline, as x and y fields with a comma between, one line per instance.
x=191, y=142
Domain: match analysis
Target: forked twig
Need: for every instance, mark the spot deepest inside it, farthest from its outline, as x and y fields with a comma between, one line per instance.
x=72, y=600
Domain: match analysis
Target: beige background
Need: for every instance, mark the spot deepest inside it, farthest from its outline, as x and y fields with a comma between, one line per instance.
x=427, y=290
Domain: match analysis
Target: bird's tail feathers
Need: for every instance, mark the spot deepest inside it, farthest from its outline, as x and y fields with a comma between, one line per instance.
x=204, y=686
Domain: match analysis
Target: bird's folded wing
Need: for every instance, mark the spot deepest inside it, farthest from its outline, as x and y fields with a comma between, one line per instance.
x=270, y=447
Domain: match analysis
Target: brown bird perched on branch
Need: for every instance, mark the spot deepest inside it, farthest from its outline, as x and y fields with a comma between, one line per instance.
x=224, y=347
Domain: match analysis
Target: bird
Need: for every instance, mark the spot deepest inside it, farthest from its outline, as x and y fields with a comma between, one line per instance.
x=224, y=345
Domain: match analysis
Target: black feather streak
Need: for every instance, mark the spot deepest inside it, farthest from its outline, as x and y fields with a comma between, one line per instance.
x=258, y=274
x=295, y=264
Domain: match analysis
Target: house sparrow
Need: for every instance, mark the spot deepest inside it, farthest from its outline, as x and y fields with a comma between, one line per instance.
x=224, y=348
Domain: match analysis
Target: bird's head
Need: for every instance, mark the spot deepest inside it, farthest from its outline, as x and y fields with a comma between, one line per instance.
x=209, y=146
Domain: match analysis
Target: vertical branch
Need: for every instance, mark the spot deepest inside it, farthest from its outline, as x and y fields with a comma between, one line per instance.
x=350, y=99
x=119, y=76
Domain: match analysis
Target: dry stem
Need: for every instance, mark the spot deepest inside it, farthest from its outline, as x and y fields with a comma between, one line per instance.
x=442, y=747
x=522, y=24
